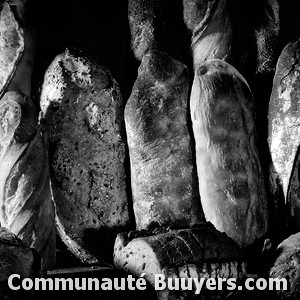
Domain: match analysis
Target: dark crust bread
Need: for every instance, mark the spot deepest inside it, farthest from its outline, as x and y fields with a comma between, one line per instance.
x=163, y=177
x=83, y=109
x=231, y=182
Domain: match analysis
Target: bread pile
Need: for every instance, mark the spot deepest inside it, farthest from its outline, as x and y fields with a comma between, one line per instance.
x=173, y=179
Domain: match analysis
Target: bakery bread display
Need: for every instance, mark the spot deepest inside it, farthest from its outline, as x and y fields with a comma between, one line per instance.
x=163, y=175
x=231, y=183
x=82, y=109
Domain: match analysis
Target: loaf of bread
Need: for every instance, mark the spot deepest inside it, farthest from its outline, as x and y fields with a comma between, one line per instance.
x=20, y=79
x=231, y=183
x=217, y=34
x=83, y=110
x=198, y=252
x=193, y=12
x=213, y=36
x=266, y=34
x=287, y=266
x=284, y=130
x=16, y=257
x=26, y=206
x=163, y=176
x=146, y=26
x=12, y=45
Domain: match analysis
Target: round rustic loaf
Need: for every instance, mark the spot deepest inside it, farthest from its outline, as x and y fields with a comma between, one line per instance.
x=284, y=131
x=163, y=176
x=231, y=183
x=26, y=206
x=83, y=110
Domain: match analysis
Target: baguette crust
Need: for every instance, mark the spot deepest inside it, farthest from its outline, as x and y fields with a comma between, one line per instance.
x=163, y=181
x=230, y=178
x=284, y=132
x=11, y=45
x=146, y=26
x=83, y=109
x=26, y=206
x=266, y=36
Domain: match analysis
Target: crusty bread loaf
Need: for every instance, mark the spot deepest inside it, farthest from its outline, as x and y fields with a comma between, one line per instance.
x=20, y=80
x=146, y=26
x=193, y=12
x=284, y=130
x=212, y=38
x=231, y=183
x=266, y=34
x=217, y=34
x=12, y=45
x=83, y=108
x=16, y=257
x=26, y=206
x=201, y=249
x=163, y=178
x=287, y=266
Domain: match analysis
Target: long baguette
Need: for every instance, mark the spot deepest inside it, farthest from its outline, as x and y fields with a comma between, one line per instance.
x=163, y=178
x=26, y=206
x=283, y=135
x=146, y=26
x=231, y=183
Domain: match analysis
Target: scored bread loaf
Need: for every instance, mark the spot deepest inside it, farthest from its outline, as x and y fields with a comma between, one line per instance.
x=231, y=183
x=146, y=26
x=83, y=110
x=163, y=178
x=26, y=206
x=198, y=252
x=284, y=130
x=266, y=34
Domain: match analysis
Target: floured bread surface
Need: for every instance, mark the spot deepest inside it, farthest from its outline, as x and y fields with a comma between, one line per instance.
x=83, y=108
x=11, y=45
x=231, y=183
x=163, y=176
x=284, y=127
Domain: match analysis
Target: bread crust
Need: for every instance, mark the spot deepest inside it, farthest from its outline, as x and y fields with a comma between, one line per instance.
x=163, y=178
x=231, y=183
